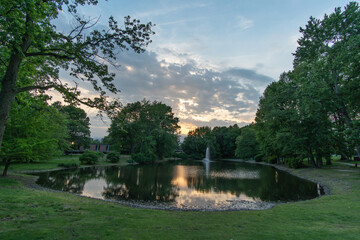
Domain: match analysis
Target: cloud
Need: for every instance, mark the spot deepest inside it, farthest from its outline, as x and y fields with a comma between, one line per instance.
x=198, y=96
x=169, y=10
x=244, y=23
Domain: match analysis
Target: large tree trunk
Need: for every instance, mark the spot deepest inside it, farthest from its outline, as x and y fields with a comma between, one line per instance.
x=319, y=162
x=311, y=157
x=7, y=96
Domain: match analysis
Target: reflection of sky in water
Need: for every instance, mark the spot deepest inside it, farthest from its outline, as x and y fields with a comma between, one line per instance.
x=189, y=196
x=94, y=188
x=195, y=185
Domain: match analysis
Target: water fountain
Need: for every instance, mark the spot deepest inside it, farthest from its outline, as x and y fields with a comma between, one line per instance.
x=206, y=161
x=207, y=154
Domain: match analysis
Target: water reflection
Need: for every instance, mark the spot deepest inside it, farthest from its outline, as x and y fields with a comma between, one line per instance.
x=184, y=184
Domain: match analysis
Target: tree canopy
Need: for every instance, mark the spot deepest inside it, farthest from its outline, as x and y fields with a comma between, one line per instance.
x=147, y=128
x=33, y=51
x=78, y=125
x=313, y=111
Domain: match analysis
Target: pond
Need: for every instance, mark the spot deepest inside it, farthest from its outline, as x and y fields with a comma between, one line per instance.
x=185, y=185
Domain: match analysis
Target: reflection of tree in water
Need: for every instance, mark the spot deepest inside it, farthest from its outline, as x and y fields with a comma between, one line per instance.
x=147, y=183
x=69, y=180
x=162, y=182
x=272, y=185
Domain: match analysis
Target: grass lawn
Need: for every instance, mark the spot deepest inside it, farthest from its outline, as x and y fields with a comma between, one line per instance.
x=35, y=214
x=54, y=163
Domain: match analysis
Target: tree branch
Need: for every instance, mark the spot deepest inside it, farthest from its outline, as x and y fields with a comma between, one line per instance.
x=35, y=54
x=30, y=88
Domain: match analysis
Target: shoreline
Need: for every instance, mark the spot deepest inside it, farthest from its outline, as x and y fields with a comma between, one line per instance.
x=236, y=205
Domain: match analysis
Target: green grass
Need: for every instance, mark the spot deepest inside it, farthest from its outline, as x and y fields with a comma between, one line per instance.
x=53, y=163
x=35, y=214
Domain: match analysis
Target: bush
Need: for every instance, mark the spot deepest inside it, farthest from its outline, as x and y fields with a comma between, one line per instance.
x=113, y=157
x=182, y=155
x=294, y=162
x=272, y=159
x=259, y=157
x=89, y=158
x=68, y=165
x=142, y=158
x=100, y=154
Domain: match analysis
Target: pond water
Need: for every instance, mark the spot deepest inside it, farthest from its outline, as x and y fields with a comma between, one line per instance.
x=186, y=185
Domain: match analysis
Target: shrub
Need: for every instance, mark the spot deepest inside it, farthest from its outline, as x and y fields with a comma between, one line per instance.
x=100, y=154
x=272, y=159
x=113, y=157
x=294, y=162
x=89, y=158
x=259, y=157
x=144, y=158
x=180, y=155
x=68, y=165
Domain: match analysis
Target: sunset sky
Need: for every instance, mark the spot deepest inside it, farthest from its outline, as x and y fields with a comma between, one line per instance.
x=209, y=60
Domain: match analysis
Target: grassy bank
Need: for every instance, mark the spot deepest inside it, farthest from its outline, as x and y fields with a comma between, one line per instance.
x=55, y=163
x=35, y=214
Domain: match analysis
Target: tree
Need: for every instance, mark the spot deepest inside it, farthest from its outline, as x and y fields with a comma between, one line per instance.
x=247, y=146
x=329, y=49
x=197, y=141
x=78, y=125
x=35, y=131
x=225, y=140
x=33, y=51
x=145, y=127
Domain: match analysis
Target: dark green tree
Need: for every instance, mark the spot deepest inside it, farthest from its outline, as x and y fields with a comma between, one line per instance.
x=145, y=127
x=329, y=51
x=32, y=51
x=197, y=141
x=247, y=146
x=78, y=125
x=35, y=131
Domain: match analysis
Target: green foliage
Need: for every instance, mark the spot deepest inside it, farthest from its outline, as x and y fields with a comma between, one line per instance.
x=143, y=158
x=35, y=131
x=197, y=141
x=113, y=157
x=225, y=140
x=313, y=111
x=247, y=146
x=68, y=165
x=43, y=50
x=182, y=155
x=259, y=157
x=272, y=159
x=89, y=158
x=294, y=162
x=145, y=127
x=78, y=125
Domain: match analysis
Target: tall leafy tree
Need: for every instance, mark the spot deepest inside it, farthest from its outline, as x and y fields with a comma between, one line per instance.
x=247, y=146
x=145, y=127
x=197, y=141
x=78, y=125
x=225, y=140
x=35, y=131
x=32, y=51
x=329, y=49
